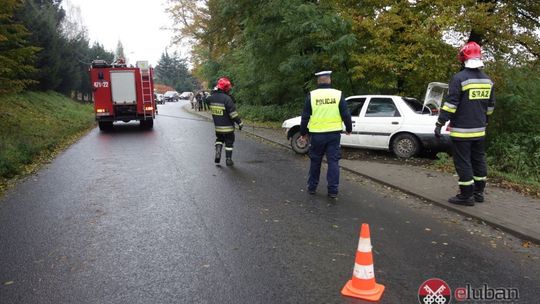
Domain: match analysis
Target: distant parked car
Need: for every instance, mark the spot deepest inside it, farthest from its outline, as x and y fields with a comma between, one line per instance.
x=186, y=95
x=170, y=96
x=159, y=98
x=387, y=122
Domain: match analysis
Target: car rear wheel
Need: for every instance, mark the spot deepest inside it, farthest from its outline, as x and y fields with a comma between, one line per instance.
x=405, y=145
x=298, y=145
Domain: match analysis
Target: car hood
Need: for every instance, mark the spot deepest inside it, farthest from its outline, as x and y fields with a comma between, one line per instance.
x=289, y=123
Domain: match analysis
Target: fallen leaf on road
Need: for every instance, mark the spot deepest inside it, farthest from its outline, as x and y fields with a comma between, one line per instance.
x=206, y=265
x=427, y=229
x=8, y=283
x=526, y=244
x=335, y=226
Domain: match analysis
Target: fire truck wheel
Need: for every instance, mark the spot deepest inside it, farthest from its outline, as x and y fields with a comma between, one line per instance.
x=147, y=124
x=105, y=125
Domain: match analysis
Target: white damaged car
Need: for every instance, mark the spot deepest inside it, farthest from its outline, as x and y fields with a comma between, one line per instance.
x=388, y=122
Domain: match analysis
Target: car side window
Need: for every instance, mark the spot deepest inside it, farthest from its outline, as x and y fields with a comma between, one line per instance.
x=355, y=105
x=382, y=107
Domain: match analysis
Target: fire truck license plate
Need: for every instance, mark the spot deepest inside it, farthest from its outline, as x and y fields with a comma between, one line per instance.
x=101, y=84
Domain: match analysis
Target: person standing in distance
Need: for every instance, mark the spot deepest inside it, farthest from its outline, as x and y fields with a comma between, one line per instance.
x=469, y=103
x=324, y=113
x=224, y=115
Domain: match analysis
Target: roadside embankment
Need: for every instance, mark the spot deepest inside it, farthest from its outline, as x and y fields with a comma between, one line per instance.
x=34, y=127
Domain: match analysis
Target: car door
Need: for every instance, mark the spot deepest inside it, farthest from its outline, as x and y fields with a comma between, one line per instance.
x=378, y=122
x=355, y=105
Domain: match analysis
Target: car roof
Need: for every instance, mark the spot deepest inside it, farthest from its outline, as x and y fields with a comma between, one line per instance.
x=371, y=96
x=379, y=96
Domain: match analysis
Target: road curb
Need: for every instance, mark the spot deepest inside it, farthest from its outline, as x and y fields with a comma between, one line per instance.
x=460, y=211
x=515, y=232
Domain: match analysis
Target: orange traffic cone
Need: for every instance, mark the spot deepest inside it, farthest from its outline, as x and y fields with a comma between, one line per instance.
x=363, y=285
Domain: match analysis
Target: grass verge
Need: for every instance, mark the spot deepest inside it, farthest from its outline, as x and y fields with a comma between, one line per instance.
x=34, y=128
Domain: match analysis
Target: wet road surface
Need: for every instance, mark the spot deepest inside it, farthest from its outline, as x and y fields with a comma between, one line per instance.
x=137, y=216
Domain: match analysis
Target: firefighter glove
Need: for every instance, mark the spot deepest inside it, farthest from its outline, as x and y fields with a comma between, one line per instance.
x=438, y=130
x=240, y=125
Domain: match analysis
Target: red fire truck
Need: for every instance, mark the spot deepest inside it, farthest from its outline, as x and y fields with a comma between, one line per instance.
x=123, y=93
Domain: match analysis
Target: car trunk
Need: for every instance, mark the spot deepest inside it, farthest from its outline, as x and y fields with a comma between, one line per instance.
x=435, y=93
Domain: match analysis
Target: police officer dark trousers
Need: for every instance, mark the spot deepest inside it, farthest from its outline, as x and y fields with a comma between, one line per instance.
x=469, y=103
x=224, y=115
x=324, y=113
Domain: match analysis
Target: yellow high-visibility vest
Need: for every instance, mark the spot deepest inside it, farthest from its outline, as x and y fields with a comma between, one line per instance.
x=325, y=116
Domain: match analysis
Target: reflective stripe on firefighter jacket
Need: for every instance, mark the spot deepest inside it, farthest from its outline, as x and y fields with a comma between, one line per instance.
x=325, y=115
x=223, y=112
x=470, y=100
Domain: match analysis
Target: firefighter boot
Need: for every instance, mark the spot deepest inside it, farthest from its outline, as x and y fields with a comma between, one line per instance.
x=479, y=187
x=217, y=158
x=228, y=157
x=465, y=197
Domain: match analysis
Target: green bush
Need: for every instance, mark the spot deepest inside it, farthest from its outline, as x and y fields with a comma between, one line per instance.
x=516, y=153
x=274, y=113
x=513, y=131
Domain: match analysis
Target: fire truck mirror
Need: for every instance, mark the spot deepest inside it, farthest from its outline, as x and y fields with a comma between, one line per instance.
x=100, y=76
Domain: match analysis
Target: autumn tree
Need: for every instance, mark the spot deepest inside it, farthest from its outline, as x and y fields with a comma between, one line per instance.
x=271, y=48
x=405, y=44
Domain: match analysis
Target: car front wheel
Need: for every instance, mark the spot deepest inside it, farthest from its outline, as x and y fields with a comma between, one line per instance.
x=298, y=145
x=405, y=145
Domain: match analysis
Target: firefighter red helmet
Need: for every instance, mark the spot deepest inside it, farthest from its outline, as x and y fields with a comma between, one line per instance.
x=224, y=84
x=471, y=50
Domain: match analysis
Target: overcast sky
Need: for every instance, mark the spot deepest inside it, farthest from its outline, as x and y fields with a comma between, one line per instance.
x=137, y=23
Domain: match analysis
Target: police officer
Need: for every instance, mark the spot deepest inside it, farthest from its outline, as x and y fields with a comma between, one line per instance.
x=324, y=111
x=224, y=115
x=469, y=103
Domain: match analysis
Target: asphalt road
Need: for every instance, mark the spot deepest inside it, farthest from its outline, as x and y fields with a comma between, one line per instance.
x=137, y=216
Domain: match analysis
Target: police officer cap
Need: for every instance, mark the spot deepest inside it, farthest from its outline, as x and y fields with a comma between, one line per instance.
x=323, y=73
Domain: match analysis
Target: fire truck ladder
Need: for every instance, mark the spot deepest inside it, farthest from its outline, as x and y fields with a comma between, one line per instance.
x=146, y=92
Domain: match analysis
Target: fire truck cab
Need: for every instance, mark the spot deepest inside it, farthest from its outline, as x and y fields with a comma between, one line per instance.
x=122, y=93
